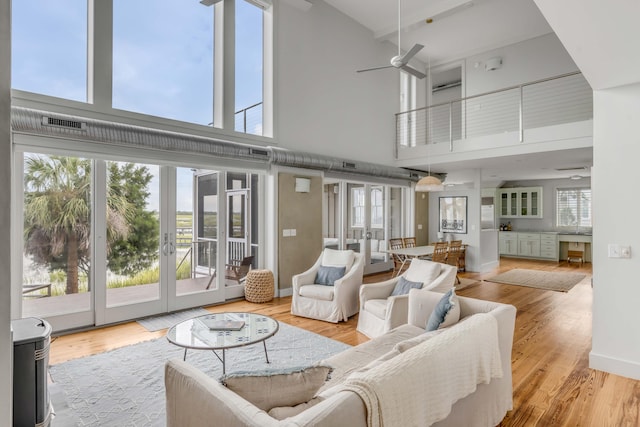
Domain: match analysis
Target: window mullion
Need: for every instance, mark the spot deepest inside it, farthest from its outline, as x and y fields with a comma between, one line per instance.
x=100, y=53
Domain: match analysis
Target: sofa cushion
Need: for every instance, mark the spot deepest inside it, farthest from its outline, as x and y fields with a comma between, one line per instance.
x=355, y=358
x=377, y=307
x=422, y=271
x=320, y=292
x=405, y=345
x=334, y=258
x=403, y=286
x=445, y=313
x=268, y=389
x=282, y=412
x=328, y=275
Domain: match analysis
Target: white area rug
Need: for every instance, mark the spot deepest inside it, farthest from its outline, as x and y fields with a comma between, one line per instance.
x=125, y=387
x=553, y=281
x=165, y=321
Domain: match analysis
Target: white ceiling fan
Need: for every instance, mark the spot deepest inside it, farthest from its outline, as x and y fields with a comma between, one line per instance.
x=402, y=61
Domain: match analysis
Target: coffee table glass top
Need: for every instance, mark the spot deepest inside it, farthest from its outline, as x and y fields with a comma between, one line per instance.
x=193, y=333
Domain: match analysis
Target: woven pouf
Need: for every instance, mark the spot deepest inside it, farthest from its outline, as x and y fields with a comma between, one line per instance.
x=258, y=286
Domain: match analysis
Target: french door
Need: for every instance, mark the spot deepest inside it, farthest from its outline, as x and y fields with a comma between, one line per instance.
x=107, y=240
x=361, y=217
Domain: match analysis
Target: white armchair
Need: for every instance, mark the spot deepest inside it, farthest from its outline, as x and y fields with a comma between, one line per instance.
x=330, y=303
x=381, y=312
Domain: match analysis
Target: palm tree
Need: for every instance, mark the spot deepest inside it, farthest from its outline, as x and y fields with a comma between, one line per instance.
x=57, y=214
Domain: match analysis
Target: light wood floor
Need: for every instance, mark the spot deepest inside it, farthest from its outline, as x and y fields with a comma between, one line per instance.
x=553, y=385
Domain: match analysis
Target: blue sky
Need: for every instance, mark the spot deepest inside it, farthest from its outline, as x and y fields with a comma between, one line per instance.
x=162, y=59
x=162, y=55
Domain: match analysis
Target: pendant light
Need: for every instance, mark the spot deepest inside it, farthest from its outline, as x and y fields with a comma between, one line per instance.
x=429, y=183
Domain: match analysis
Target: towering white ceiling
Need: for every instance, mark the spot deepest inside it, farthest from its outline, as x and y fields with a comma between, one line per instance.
x=460, y=28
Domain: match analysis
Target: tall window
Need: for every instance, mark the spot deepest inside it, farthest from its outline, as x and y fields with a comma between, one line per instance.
x=49, y=47
x=573, y=207
x=163, y=59
x=249, y=58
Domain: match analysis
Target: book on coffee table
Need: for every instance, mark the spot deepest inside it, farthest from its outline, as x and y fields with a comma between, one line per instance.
x=223, y=325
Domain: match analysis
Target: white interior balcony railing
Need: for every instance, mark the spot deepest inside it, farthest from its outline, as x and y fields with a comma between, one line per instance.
x=557, y=100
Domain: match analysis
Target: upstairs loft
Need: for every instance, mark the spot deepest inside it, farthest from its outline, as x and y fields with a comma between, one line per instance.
x=545, y=115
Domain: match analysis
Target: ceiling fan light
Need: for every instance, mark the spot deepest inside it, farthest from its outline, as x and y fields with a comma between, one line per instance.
x=429, y=183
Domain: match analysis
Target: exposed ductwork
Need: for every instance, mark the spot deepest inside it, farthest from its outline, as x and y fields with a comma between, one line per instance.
x=36, y=122
x=316, y=161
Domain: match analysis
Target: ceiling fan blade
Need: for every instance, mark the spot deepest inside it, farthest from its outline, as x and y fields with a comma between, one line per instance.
x=415, y=49
x=373, y=69
x=413, y=71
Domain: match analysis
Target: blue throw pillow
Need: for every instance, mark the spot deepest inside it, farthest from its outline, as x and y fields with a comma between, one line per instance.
x=446, y=312
x=403, y=286
x=328, y=275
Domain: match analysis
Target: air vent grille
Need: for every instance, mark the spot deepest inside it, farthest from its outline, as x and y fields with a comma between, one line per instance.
x=64, y=123
x=259, y=152
x=348, y=165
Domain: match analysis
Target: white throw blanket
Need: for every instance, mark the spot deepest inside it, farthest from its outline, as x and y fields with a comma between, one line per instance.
x=418, y=387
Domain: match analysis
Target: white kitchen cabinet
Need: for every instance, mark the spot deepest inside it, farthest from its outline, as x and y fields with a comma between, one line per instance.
x=508, y=243
x=508, y=203
x=549, y=246
x=539, y=245
x=529, y=245
x=524, y=202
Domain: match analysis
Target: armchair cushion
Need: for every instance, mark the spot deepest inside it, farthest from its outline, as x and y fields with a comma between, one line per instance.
x=445, y=313
x=334, y=258
x=319, y=292
x=328, y=275
x=403, y=286
x=377, y=307
x=422, y=271
x=269, y=389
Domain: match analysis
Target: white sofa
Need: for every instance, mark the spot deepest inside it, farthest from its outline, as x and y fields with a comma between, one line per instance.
x=380, y=312
x=329, y=303
x=194, y=399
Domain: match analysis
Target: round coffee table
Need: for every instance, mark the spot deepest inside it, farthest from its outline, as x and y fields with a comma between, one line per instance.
x=197, y=334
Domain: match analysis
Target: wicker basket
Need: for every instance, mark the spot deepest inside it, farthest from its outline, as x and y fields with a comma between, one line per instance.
x=258, y=286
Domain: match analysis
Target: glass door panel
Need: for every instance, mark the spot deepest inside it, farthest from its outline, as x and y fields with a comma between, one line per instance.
x=367, y=224
x=133, y=233
x=57, y=238
x=196, y=230
x=238, y=249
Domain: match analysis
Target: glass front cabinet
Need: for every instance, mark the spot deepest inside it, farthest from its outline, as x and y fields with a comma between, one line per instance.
x=524, y=202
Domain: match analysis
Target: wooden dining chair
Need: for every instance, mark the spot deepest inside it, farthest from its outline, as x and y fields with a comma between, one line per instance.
x=440, y=252
x=409, y=242
x=454, y=251
x=398, y=260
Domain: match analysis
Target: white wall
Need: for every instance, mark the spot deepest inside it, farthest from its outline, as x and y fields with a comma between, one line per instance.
x=523, y=62
x=6, y=344
x=616, y=343
x=472, y=238
x=322, y=104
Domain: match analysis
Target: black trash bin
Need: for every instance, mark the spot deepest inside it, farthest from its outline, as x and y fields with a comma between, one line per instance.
x=31, y=402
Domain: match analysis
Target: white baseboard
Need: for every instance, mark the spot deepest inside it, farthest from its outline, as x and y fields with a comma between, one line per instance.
x=489, y=266
x=286, y=292
x=624, y=368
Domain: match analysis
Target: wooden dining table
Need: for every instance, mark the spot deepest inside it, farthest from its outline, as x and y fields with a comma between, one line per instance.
x=410, y=253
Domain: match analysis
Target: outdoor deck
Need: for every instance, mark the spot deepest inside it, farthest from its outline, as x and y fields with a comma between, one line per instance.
x=55, y=305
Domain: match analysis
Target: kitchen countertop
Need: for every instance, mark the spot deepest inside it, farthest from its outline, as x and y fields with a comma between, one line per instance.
x=564, y=233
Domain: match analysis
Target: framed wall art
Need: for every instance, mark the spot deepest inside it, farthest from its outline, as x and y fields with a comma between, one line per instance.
x=453, y=215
